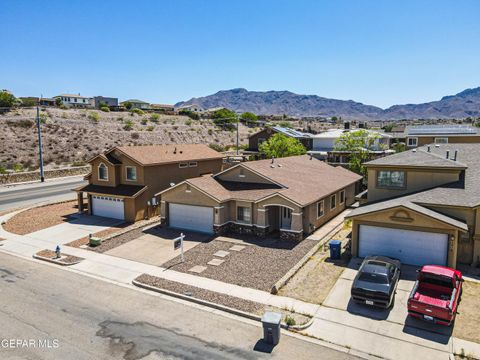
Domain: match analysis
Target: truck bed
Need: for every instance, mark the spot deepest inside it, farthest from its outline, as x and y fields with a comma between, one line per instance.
x=433, y=295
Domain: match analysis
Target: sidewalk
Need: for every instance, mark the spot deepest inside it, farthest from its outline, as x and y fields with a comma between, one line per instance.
x=379, y=338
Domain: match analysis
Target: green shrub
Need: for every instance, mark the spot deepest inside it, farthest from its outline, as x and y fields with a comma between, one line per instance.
x=94, y=116
x=190, y=114
x=143, y=121
x=43, y=117
x=120, y=118
x=150, y=128
x=137, y=111
x=217, y=147
x=210, y=131
x=188, y=122
x=290, y=321
x=128, y=125
x=105, y=108
x=135, y=136
x=17, y=167
x=3, y=170
x=78, y=163
x=155, y=118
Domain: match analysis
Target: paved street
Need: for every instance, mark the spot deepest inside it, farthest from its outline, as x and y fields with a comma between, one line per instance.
x=83, y=318
x=14, y=196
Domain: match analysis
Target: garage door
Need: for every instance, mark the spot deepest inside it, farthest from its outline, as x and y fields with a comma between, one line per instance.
x=196, y=218
x=410, y=247
x=108, y=207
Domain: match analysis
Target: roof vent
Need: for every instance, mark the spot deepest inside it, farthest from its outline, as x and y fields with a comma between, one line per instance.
x=273, y=159
x=448, y=154
x=455, y=155
x=279, y=165
x=175, y=151
x=414, y=150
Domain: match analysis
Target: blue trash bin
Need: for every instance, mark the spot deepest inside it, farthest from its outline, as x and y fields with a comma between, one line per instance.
x=335, y=249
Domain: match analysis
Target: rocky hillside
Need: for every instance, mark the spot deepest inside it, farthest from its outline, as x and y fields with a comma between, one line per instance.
x=462, y=105
x=73, y=136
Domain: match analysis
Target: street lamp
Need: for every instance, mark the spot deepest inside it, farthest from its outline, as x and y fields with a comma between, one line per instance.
x=42, y=177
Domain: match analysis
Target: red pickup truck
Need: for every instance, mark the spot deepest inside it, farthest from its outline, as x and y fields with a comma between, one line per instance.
x=436, y=294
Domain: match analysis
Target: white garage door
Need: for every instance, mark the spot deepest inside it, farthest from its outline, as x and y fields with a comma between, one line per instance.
x=410, y=247
x=108, y=207
x=196, y=218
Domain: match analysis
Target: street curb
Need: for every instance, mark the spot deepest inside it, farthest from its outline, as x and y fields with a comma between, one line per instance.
x=217, y=306
x=280, y=283
x=53, y=261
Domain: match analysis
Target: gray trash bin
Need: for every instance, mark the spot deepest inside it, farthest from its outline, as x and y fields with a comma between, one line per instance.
x=271, y=327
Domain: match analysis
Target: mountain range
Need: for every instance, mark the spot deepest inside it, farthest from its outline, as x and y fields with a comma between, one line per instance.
x=462, y=105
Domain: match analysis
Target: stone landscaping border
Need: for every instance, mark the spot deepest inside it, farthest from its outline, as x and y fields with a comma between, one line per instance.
x=285, y=278
x=65, y=259
x=212, y=305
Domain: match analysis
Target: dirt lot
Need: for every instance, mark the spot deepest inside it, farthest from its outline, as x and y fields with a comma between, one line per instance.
x=468, y=317
x=259, y=265
x=36, y=219
x=315, y=279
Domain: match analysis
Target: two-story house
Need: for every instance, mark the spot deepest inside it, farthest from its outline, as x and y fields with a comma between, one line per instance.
x=416, y=136
x=423, y=206
x=290, y=197
x=124, y=180
x=75, y=100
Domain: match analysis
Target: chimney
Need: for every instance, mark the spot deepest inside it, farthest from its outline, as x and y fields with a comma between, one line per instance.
x=428, y=148
x=448, y=154
x=273, y=159
x=455, y=156
x=175, y=150
x=346, y=125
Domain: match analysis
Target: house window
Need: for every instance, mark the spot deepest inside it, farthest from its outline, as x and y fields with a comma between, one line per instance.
x=441, y=140
x=412, y=141
x=342, y=197
x=131, y=173
x=320, y=209
x=243, y=213
x=103, y=172
x=193, y=164
x=333, y=201
x=391, y=179
x=182, y=165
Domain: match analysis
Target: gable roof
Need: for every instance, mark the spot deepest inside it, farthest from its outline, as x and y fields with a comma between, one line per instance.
x=419, y=157
x=291, y=132
x=441, y=130
x=301, y=179
x=134, y=101
x=337, y=133
x=163, y=154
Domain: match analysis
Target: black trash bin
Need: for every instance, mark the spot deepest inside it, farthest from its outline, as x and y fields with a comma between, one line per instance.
x=271, y=327
x=335, y=249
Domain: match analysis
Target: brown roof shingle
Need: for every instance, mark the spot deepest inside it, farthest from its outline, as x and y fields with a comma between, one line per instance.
x=162, y=154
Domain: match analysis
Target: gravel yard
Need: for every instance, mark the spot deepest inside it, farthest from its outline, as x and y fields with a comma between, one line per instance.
x=39, y=218
x=316, y=277
x=259, y=265
x=217, y=298
x=468, y=316
x=65, y=258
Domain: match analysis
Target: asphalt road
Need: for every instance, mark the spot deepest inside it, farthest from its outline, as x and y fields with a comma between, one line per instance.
x=16, y=196
x=50, y=313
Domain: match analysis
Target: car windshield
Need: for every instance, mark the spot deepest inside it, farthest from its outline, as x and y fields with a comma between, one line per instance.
x=374, y=278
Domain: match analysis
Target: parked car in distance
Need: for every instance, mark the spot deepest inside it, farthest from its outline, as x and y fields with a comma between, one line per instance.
x=436, y=294
x=376, y=281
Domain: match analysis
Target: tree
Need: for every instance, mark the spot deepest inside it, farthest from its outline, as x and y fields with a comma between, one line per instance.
x=358, y=143
x=7, y=99
x=224, y=116
x=249, y=118
x=58, y=101
x=388, y=128
x=128, y=105
x=280, y=146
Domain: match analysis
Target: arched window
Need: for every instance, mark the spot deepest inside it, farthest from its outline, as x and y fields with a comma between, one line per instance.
x=102, y=172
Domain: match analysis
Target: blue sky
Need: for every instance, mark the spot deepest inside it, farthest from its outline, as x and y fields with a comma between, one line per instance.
x=377, y=52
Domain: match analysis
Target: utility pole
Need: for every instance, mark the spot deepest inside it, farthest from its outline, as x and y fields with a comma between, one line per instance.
x=238, y=124
x=42, y=177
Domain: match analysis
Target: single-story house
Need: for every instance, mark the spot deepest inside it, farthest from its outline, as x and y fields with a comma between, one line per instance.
x=290, y=196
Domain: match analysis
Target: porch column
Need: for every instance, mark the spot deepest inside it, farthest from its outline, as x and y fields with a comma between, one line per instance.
x=452, y=249
x=80, y=201
x=262, y=217
x=163, y=211
x=297, y=221
x=476, y=250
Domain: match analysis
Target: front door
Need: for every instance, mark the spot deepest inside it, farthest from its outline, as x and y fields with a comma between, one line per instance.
x=285, y=218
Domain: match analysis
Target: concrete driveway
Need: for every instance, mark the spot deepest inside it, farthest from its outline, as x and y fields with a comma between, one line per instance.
x=77, y=227
x=155, y=246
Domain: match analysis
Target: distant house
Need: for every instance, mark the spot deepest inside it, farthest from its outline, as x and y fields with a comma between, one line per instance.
x=75, y=100
x=255, y=140
x=163, y=108
x=193, y=107
x=138, y=104
x=106, y=101
x=421, y=135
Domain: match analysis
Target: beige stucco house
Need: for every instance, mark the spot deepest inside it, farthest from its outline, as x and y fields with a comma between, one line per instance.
x=124, y=180
x=290, y=196
x=421, y=135
x=422, y=207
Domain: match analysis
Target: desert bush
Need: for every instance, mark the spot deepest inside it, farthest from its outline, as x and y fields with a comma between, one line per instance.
x=137, y=111
x=150, y=128
x=128, y=125
x=217, y=147
x=190, y=114
x=210, y=131
x=43, y=117
x=105, y=108
x=120, y=118
x=144, y=121
x=3, y=170
x=94, y=116
x=188, y=122
x=155, y=118
x=290, y=321
x=17, y=167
